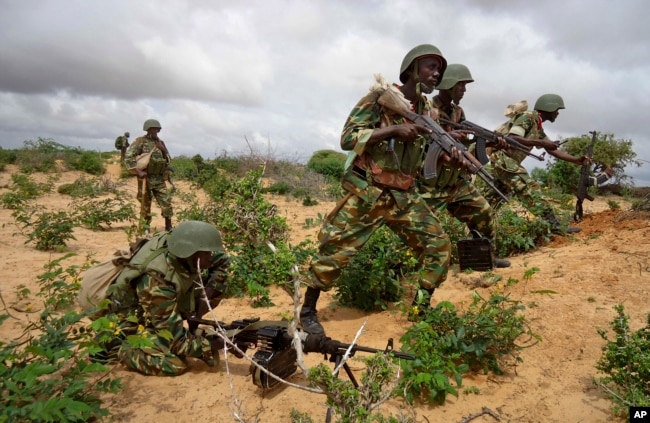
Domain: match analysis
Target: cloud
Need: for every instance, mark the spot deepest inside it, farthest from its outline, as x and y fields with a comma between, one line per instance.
x=286, y=73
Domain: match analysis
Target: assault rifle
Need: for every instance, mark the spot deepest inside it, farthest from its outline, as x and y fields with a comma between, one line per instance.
x=484, y=135
x=275, y=351
x=583, y=184
x=439, y=141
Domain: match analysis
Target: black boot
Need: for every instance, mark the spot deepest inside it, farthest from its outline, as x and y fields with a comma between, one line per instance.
x=308, y=318
x=556, y=226
x=499, y=263
x=168, y=223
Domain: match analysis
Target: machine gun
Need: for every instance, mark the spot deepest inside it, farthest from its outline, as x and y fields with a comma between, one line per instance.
x=583, y=184
x=439, y=141
x=484, y=135
x=275, y=351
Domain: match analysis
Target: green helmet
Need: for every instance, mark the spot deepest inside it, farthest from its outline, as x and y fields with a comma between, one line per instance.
x=192, y=236
x=454, y=74
x=549, y=103
x=126, y=134
x=151, y=123
x=417, y=52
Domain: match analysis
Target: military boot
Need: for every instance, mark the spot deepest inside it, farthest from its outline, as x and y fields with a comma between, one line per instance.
x=308, y=318
x=556, y=226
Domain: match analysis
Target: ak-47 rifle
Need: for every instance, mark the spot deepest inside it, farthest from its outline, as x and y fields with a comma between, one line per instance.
x=439, y=141
x=484, y=135
x=583, y=184
x=274, y=344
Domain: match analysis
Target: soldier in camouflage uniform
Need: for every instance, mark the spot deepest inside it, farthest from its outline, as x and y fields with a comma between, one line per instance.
x=151, y=182
x=379, y=185
x=156, y=293
x=511, y=177
x=453, y=189
x=122, y=143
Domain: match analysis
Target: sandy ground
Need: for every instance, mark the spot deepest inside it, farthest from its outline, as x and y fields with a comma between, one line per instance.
x=606, y=264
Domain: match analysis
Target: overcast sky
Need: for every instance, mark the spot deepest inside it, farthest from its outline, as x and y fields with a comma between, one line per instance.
x=283, y=75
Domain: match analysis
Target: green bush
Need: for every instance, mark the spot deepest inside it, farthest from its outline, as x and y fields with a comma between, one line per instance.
x=45, y=374
x=328, y=163
x=101, y=214
x=89, y=162
x=48, y=229
x=372, y=278
x=185, y=168
x=448, y=344
x=625, y=362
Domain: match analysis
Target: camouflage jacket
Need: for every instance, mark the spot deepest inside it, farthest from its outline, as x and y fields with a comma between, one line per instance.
x=528, y=125
x=158, y=163
x=391, y=169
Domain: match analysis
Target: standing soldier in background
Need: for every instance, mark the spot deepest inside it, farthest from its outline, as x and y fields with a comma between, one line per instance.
x=511, y=177
x=453, y=189
x=149, y=159
x=122, y=143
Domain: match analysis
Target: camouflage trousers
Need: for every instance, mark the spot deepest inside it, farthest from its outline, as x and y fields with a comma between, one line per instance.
x=353, y=222
x=154, y=187
x=512, y=179
x=158, y=343
x=463, y=201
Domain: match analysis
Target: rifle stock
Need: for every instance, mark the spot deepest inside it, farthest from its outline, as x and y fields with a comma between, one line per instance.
x=583, y=183
x=439, y=141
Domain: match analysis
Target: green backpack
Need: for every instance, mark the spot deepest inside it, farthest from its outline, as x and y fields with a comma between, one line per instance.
x=113, y=276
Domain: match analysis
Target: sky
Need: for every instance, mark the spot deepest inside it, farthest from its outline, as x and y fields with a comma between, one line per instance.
x=280, y=77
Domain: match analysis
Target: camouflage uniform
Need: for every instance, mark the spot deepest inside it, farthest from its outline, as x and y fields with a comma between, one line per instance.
x=122, y=143
x=154, y=184
x=153, y=303
x=505, y=165
x=379, y=190
x=453, y=189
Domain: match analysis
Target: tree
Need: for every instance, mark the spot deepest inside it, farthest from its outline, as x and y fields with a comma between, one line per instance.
x=608, y=152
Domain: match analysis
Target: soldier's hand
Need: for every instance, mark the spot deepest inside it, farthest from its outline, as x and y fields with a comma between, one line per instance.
x=585, y=160
x=501, y=144
x=409, y=131
x=549, y=145
x=460, y=134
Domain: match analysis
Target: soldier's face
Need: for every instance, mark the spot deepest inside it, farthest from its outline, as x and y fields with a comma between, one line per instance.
x=429, y=71
x=153, y=132
x=204, y=259
x=458, y=91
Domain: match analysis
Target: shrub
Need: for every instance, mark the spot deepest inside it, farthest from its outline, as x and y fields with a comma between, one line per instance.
x=372, y=278
x=448, y=344
x=625, y=362
x=89, y=162
x=45, y=374
x=48, y=229
x=328, y=163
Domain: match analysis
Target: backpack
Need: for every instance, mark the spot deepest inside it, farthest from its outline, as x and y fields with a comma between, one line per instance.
x=97, y=279
x=118, y=143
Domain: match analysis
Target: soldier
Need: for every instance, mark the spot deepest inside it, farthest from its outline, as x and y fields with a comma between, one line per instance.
x=122, y=143
x=379, y=185
x=511, y=177
x=156, y=293
x=151, y=179
x=453, y=189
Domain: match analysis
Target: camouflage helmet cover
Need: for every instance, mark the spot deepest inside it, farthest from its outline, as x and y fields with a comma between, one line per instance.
x=126, y=134
x=549, y=103
x=454, y=74
x=192, y=236
x=417, y=52
x=151, y=123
